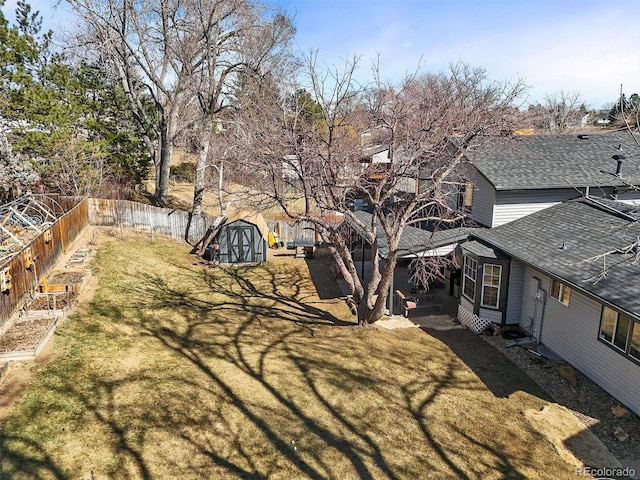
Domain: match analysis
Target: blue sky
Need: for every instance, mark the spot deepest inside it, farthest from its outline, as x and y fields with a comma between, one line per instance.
x=585, y=46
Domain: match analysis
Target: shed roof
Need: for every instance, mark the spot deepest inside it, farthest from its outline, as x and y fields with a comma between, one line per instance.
x=414, y=241
x=569, y=241
x=250, y=217
x=557, y=161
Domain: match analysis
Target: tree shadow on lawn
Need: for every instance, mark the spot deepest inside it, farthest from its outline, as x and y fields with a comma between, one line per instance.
x=322, y=276
x=37, y=463
x=499, y=374
x=283, y=295
x=496, y=371
x=249, y=378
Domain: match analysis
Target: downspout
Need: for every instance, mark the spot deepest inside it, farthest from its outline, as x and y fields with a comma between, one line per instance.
x=543, y=302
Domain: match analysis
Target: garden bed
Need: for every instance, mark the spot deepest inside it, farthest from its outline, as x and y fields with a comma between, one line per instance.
x=50, y=304
x=25, y=334
x=65, y=281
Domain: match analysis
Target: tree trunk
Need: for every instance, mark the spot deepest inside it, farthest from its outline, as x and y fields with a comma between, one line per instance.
x=163, y=164
x=200, y=247
x=383, y=291
x=199, y=185
x=363, y=313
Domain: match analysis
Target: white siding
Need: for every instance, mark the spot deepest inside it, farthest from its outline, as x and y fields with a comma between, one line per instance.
x=572, y=332
x=484, y=198
x=493, y=208
x=514, y=292
x=511, y=205
x=381, y=157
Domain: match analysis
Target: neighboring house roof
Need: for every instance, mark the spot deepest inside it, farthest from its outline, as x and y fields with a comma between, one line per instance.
x=568, y=241
x=415, y=241
x=557, y=161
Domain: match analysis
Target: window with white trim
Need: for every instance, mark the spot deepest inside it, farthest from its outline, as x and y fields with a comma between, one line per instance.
x=469, y=278
x=620, y=331
x=560, y=292
x=491, y=285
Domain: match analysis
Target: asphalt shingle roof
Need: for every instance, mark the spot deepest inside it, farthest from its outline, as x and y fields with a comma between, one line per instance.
x=556, y=161
x=480, y=249
x=568, y=240
x=414, y=240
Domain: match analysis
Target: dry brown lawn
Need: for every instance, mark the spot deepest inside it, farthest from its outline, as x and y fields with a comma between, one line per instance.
x=177, y=371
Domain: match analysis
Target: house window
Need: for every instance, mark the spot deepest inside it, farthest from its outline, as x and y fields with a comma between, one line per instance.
x=621, y=331
x=465, y=196
x=469, y=278
x=560, y=292
x=608, y=324
x=634, y=344
x=491, y=285
x=468, y=195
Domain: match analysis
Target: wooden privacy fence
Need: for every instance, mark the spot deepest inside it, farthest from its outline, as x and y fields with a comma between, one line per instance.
x=36, y=259
x=147, y=218
x=76, y=214
x=174, y=223
x=289, y=229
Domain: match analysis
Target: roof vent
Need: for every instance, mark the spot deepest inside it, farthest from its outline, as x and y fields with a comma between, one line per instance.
x=620, y=159
x=583, y=136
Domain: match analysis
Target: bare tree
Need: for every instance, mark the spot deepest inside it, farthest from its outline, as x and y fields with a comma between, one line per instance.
x=559, y=112
x=179, y=56
x=240, y=40
x=314, y=167
x=625, y=113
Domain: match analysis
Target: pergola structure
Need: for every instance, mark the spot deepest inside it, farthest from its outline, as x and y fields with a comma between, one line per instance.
x=22, y=220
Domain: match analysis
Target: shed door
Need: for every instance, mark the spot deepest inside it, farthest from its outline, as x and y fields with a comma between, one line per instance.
x=241, y=244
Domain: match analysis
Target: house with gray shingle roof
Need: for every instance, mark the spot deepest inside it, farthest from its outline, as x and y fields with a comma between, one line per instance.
x=568, y=276
x=515, y=176
x=414, y=242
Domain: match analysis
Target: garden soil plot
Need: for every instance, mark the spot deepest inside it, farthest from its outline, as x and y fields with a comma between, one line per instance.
x=46, y=301
x=25, y=334
x=66, y=278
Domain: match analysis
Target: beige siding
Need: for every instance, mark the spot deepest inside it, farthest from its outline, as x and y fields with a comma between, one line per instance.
x=572, y=332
